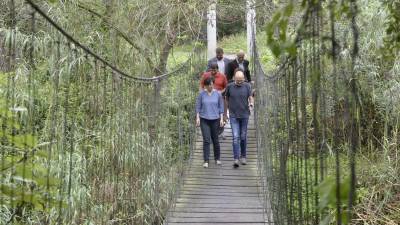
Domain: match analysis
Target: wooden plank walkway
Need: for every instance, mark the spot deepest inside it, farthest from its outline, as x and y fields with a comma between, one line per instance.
x=220, y=194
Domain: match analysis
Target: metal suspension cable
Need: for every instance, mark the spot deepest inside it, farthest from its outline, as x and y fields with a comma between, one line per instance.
x=105, y=62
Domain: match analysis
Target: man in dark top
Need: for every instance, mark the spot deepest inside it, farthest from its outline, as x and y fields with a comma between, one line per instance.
x=241, y=63
x=239, y=100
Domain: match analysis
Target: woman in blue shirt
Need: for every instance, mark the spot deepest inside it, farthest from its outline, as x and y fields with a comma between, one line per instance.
x=209, y=116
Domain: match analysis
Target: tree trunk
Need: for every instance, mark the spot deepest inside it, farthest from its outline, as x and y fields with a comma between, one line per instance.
x=163, y=58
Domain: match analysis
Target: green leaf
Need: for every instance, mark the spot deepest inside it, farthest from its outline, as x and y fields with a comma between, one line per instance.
x=282, y=30
x=292, y=49
x=275, y=48
x=53, y=182
x=326, y=221
x=276, y=17
x=288, y=10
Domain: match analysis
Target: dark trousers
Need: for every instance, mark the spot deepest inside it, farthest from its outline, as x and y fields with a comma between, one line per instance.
x=209, y=130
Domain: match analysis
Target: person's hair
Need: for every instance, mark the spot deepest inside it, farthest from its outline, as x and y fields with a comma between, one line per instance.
x=219, y=50
x=208, y=81
x=237, y=70
x=240, y=52
x=214, y=65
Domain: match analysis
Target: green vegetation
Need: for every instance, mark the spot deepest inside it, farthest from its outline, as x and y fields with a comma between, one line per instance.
x=374, y=108
x=82, y=144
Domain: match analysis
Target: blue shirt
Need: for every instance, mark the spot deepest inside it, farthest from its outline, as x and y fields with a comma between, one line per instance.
x=209, y=107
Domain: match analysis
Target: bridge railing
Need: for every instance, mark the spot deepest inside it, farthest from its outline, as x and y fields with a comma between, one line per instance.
x=83, y=142
x=307, y=118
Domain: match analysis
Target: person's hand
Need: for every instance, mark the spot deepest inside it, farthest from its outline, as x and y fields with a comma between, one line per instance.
x=225, y=118
x=251, y=105
x=198, y=121
x=221, y=122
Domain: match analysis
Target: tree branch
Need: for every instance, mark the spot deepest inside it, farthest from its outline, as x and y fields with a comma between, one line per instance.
x=143, y=52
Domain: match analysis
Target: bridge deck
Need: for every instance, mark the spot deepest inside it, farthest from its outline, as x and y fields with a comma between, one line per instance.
x=220, y=194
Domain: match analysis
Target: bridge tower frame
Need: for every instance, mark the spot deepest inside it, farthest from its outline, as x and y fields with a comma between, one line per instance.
x=212, y=27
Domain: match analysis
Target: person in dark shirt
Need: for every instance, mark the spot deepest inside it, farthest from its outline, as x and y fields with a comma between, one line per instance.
x=240, y=63
x=209, y=116
x=239, y=100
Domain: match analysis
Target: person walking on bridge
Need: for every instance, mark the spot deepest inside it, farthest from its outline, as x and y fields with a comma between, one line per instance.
x=239, y=100
x=220, y=83
x=221, y=61
x=219, y=79
x=209, y=116
x=240, y=63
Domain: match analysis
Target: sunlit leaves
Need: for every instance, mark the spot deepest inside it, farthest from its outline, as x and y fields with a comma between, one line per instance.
x=277, y=33
x=328, y=199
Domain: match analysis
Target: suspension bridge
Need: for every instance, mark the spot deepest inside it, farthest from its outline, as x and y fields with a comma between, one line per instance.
x=115, y=148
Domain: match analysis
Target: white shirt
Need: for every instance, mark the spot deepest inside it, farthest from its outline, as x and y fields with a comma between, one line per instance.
x=221, y=65
x=241, y=66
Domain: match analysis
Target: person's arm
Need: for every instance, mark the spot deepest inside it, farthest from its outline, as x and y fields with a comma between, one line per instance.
x=247, y=73
x=221, y=110
x=198, y=108
x=226, y=99
x=201, y=87
x=251, y=99
x=225, y=83
x=226, y=109
x=229, y=71
x=249, y=77
x=208, y=65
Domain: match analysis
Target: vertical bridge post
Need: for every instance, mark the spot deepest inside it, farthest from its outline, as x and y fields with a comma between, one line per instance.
x=211, y=29
x=251, y=25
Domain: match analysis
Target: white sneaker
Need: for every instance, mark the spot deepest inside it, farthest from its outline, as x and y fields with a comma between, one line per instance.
x=236, y=163
x=218, y=162
x=243, y=161
x=205, y=165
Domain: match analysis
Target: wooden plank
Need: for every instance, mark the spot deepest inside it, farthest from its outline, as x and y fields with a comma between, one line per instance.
x=208, y=223
x=226, y=145
x=218, y=192
x=215, y=210
x=227, y=149
x=249, y=205
x=222, y=182
x=213, y=214
x=227, y=158
x=188, y=194
x=237, y=172
x=210, y=178
x=236, y=218
x=241, y=200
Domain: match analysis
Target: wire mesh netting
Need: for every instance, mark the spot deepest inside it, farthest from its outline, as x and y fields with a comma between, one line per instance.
x=83, y=142
x=307, y=117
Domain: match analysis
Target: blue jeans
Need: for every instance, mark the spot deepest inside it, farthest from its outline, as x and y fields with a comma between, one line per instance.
x=239, y=133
